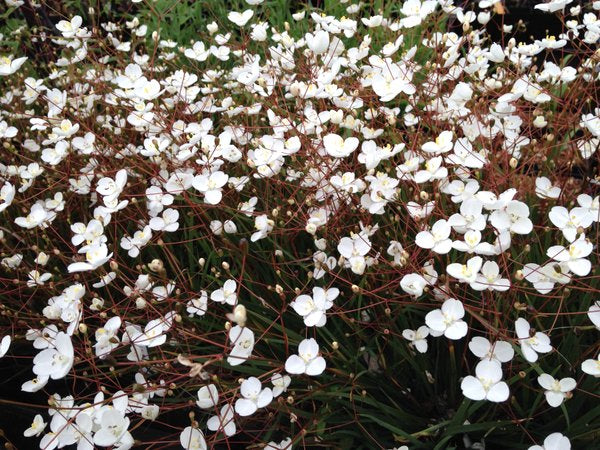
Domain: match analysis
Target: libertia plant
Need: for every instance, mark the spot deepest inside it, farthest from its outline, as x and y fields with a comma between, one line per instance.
x=359, y=228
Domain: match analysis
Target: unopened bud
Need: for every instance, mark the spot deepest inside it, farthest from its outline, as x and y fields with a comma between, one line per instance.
x=519, y=275
x=156, y=265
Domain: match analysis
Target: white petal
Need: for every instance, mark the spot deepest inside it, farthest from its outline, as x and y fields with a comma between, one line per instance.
x=316, y=366
x=498, y=392
x=472, y=388
x=295, y=365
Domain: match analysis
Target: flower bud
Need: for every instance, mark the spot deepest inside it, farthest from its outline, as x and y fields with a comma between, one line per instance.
x=156, y=265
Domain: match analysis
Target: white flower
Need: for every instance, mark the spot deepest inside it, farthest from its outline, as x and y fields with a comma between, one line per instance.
x=110, y=188
x=106, y=337
x=531, y=345
x=198, y=52
x=134, y=244
x=150, y=412
x=413, y=284
x=500, y=351
x=168, y=222
x=280, y=383
x=263, y=226
x=4, y=345
x=8, y=65
x=418, y=338
x=95, y=256
x=415, y=12
x=553, y=6
x=487, y=384
x=466, y=273
x=226, y=294
x=313, y=309
x=36, y=217
x=37, y=427
x=208, y=396
x=592, y=366
x=490, y=279
x=6, y=131
x=36, y=384
x=338, y=147
x=57, y=361
x=437, y=239
x=433, y=171
x=192, y=439
x=152, y=336
x=223, y=422
x=242, y=340
x=240, y=19
x=447, y=320
x=354, y=249
x=37, y=279
x=199, y=305
x=594, y=314
x=229, y=227
x=573, y=256
x=545, y=189
x=556, y=390
x=570, y=221
x=7, y=195
x=554, y=441
x=210, y=185
x=285, y=444
x=442, y=143
x=254, y=397
x=318, y=42
x=544, y=277
x=69, y=28
x=392, y=80
x=513, y=217
x=307, y=361
x=113, y=428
